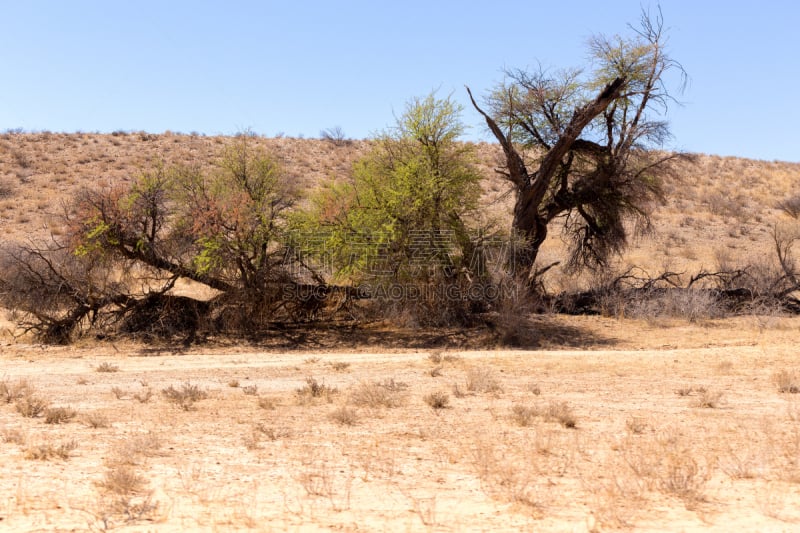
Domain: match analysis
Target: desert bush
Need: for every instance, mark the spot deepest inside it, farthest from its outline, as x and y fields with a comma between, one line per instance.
x=250, y=390
x=482, y=379
x=13, y=436
x=437, y=400
x=316, y=389
x=31, y=406
x=636, y=424
x=708, y=399
x=562, y=413
x=524, y=415
x=118, y=392
x=107, y=367
x=689, y=304
x=123, y=479
x=135, y=446
x=58, y=415
x=266, y=403
x=334, y=135
x=374, y=395
x=96, y=420
x=790, y=206
x=46, y=451
x=144, y=396
x=345, y=416
x=787, y=381
x=10, y=392
x=340, y=366
x=185, y=396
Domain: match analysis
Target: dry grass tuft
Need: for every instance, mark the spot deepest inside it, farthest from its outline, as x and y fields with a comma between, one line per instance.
x=376, y=395
x=59, y=415
x=107, y=367
x=31, y=406
x=144, y=396
x=346, y=416
x=96, y=420
x=314, y=389
x=10, y=392
x=46, y=451
x=562, y=413
x=185, y=396
x=524, y=415
x=13, y=436
x=482, y=380
x=708, y=399
x=123, y=479
x=787, y=381
x=437, y=400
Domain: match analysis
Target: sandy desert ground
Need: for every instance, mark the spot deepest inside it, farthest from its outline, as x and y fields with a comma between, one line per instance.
x=666, y=426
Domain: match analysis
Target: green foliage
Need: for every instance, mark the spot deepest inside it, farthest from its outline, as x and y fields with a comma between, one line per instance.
x=403, y=212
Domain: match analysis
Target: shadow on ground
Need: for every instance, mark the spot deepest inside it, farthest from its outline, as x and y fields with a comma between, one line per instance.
x=539, y=332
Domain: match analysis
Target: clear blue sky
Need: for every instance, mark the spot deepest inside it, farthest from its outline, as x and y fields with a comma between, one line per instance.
x=297, y=67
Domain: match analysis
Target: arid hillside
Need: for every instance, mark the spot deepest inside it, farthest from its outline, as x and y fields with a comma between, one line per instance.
x=720, y=209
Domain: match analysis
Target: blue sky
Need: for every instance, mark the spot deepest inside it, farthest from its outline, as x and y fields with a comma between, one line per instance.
x=299, y=67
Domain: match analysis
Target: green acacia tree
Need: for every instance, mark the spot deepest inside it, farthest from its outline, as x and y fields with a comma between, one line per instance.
x=404, y=214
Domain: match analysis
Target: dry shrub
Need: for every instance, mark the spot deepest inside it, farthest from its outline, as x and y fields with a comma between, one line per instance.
x=314, y=389
x=524, y=415
x=58, y=415
x=376, y=395
x=666, y=463
x=31, y=406
x=689, y=304
x=46, y=451
x=185, y=396
x=131, y=450
x=482, y=380
x=514, y=327
x=345, y=416
x=10, y=392
x=118, y=392
x=636, y=424
x=265, y=402
x=437, y=400
x=562, y=413
x=106, y=367
x=144, y=396
x=96, y=420
x=787, y=381
x=273, y=433
x=123, y=479
x=13, y=436
x=708, y=399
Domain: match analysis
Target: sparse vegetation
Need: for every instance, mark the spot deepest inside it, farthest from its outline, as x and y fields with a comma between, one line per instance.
x=345, y=416
x=58, y=415
x=46, y=451
x=787, y=381
x=31, y=406
x=107, y=367
x=185, y=396
x=437, y=400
